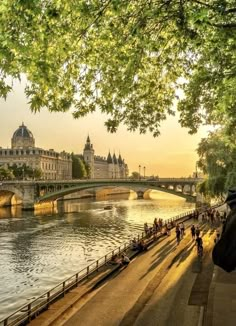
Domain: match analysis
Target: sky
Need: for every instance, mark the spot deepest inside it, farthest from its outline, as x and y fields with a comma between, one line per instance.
x=172, y=154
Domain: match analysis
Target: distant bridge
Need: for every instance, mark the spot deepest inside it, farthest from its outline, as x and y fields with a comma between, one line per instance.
x=33, y=192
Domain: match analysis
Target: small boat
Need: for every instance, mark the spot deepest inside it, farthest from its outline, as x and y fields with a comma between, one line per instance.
x=108, y=207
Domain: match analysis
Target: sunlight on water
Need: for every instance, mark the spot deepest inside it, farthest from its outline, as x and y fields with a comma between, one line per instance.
x=39, y=251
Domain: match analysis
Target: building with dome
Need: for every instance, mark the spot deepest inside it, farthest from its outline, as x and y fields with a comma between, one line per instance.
x=22, y=138
x=109, y=167
x=54, y=165
x=58, y=166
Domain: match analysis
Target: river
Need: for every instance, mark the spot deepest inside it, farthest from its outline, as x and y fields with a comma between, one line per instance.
x=40, y=251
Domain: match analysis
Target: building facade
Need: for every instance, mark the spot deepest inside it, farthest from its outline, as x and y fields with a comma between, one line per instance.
x=109, y=167
x=54, y=165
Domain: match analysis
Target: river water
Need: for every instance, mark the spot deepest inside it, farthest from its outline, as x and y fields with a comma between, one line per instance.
x=39, y=251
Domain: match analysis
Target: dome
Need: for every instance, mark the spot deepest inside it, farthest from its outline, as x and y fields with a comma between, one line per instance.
x=22, y=138
x=23, y=131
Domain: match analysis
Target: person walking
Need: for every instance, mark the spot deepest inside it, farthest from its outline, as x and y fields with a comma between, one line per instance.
x=197, y=231
x=182, y=229
x=177, y=230
x=199, y=244
x=193, y=232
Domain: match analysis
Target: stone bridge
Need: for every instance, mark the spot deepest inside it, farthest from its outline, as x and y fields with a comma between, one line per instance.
x=30, y=193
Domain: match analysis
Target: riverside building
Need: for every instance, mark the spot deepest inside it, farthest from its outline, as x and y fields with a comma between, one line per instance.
x=110, y=167
x=58, y=166
x=54, y=165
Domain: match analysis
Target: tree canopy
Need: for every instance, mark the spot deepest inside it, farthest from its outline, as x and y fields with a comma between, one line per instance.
x=124, y=58
x=79, y=170
x=217, y=155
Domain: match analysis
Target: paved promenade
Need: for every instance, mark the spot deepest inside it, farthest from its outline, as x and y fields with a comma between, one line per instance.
x=167, y=285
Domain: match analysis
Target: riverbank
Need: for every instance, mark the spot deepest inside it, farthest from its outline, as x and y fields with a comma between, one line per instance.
x=167, y=285
x=155, y=278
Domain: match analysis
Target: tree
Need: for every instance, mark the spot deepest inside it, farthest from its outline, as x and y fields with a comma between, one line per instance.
x=37, y=173
x=88, y=169
x=78, y=167
x=125, y=58
x=135, y=175
x=217, y=155
x=25, y=172
x=6, y=174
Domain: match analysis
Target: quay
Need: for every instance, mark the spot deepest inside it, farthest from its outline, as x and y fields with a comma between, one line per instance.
x=167, y=285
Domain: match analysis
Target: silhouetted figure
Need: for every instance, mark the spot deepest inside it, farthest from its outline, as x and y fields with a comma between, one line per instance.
x=224, y=252
x=193, y=232
x=177, y=230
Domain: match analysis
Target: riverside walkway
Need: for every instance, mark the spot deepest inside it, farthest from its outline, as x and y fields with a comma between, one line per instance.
x=167, y=285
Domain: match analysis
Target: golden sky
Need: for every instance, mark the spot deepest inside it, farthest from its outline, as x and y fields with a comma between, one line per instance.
x=172, y=154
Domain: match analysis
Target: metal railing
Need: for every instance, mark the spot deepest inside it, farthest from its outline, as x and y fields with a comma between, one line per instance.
x=27, y=312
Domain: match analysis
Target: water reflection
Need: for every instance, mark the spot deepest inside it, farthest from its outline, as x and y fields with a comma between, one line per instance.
x=39, y=251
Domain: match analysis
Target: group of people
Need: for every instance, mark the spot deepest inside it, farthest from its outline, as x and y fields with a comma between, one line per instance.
x=195, y=233
x=138, y=245
x=180, y=231
x=122, y=260
x=158, y=226
x=210, y=215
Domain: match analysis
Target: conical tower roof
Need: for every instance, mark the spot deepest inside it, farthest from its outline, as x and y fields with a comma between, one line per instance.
x=109, y=158
x=114, y=159
x=88, y=145
x=120, y=161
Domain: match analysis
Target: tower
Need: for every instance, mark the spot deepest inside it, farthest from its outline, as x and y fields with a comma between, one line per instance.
x=110, y=166
x=115, y=167
x=121, y=167
x=88, y=155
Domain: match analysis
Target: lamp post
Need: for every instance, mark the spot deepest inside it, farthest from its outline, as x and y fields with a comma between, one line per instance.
x=144, y=168
x=139, y=169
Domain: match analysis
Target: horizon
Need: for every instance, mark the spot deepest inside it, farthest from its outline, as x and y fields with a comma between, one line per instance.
x=61, y=131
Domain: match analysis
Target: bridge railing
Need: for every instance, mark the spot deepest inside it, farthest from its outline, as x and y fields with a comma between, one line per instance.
x=146, y=179
x=30, y=310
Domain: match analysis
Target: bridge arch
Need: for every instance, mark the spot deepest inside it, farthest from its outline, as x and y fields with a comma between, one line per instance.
x=10, y=197
x=139, y=189
x=34, y=192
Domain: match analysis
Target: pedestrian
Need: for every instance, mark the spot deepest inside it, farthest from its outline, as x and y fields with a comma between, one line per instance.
x=146, y=228
x=168, y=228
x=199, y=244
x=193, y=232
x=197, y=232
x=177, y=230
x=182, y=229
